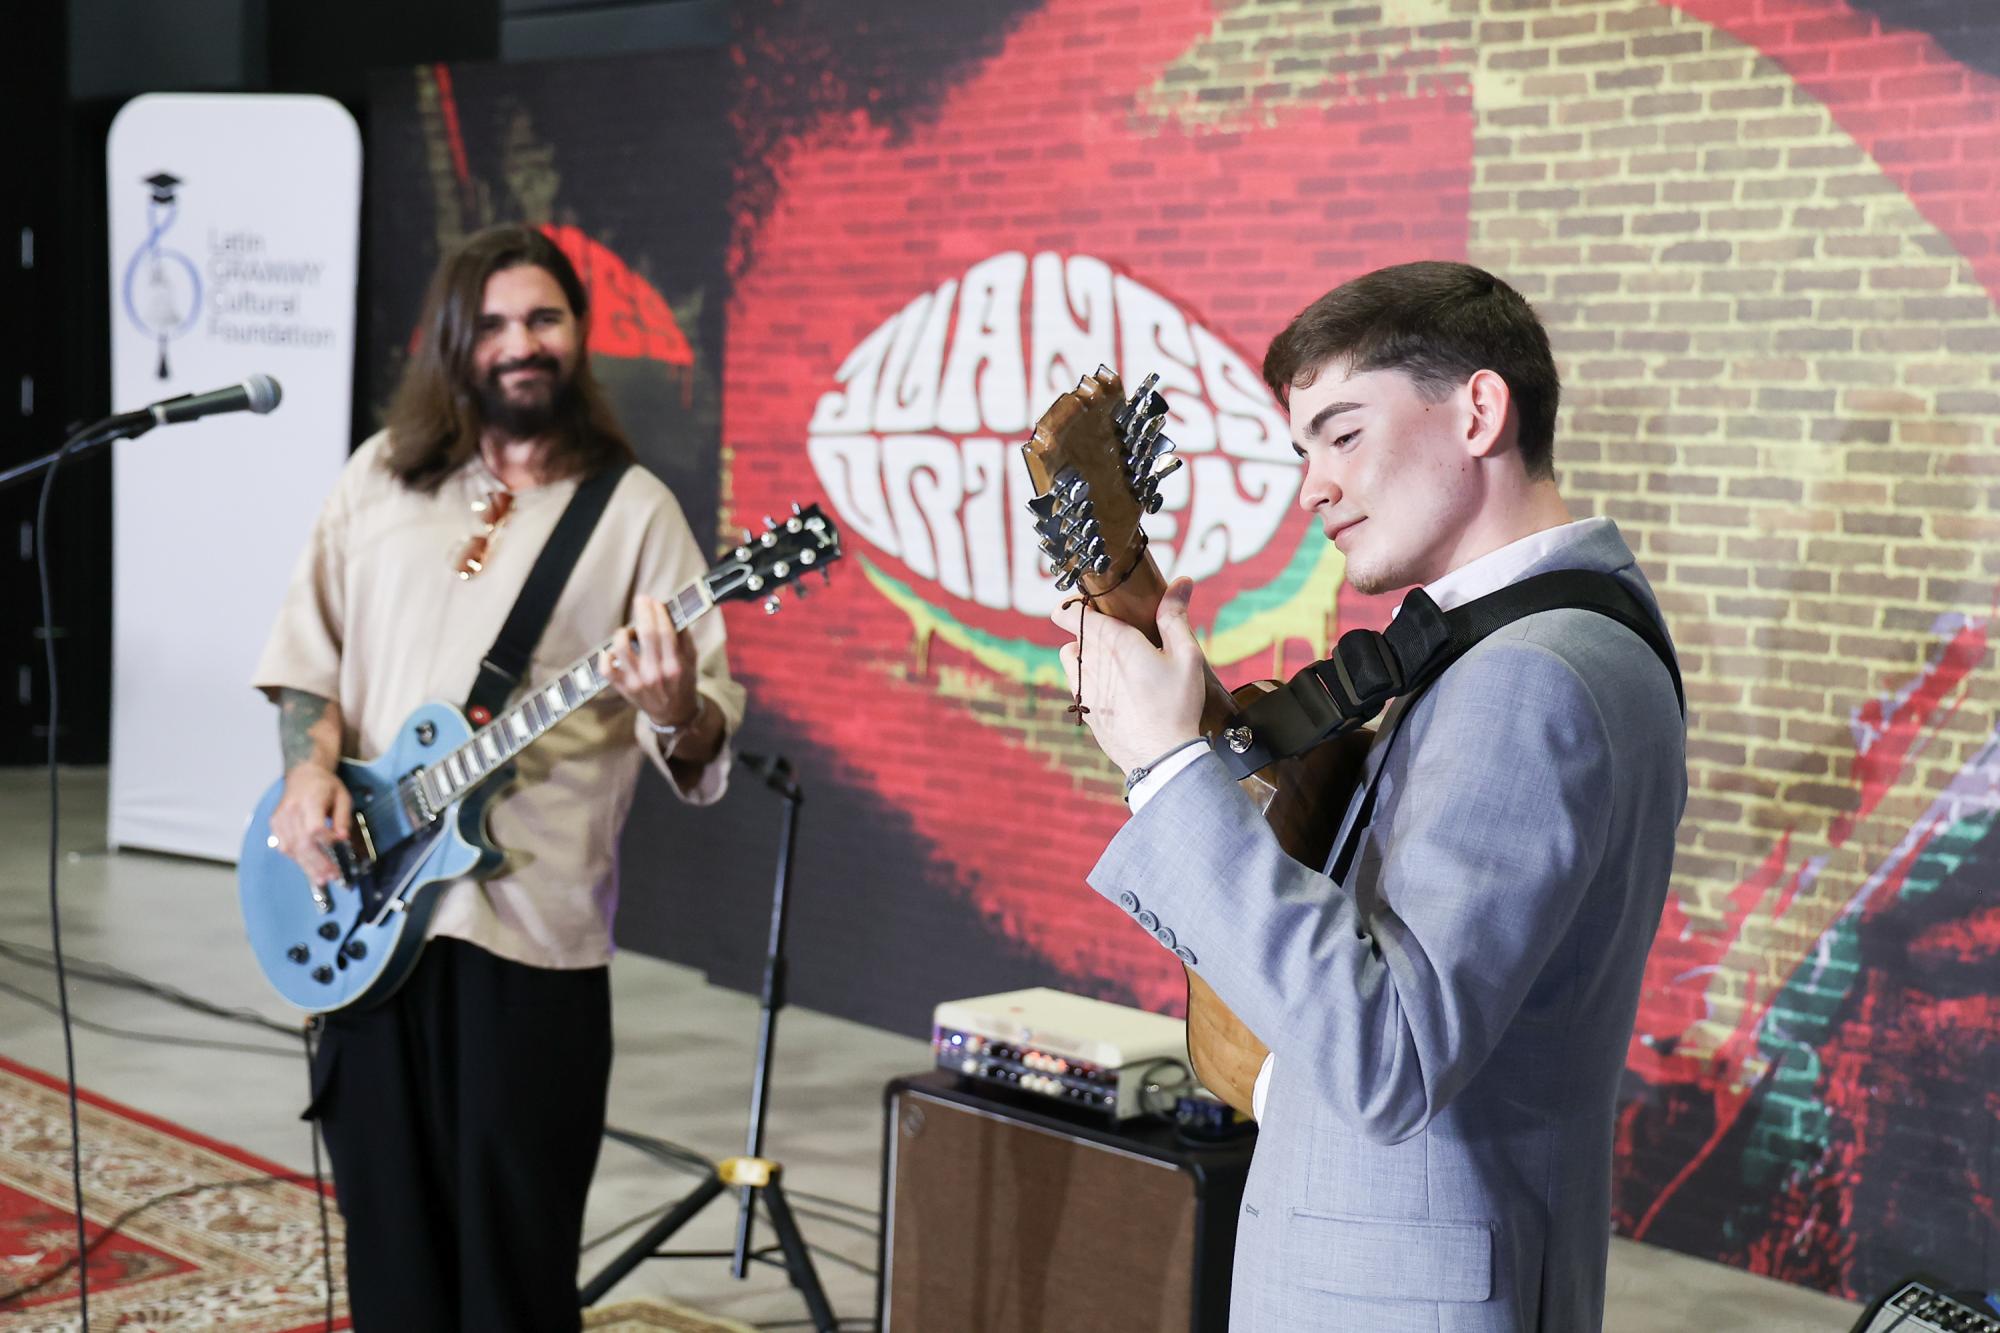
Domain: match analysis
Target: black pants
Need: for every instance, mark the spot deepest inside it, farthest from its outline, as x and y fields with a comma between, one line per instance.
x=464, y=1116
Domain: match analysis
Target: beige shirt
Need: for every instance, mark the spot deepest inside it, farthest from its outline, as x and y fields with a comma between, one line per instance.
x=378, y=620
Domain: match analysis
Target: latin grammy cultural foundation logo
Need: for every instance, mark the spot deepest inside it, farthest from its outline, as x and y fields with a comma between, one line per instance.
x=162, y=286
x=918, y=449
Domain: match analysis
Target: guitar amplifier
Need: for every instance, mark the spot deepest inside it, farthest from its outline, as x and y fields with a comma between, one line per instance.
x=1004, y=1213
x=1921, y=1305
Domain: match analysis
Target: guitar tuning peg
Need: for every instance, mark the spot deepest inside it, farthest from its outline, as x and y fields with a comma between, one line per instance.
x=747, y=537
x=771, y=605
x=1153, y=503
x=797, y=512
x=804, y=588
x=825, y=574
x=1173, y=466
x=770, y=524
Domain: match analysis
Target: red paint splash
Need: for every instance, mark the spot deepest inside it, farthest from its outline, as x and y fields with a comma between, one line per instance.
x=1045, y=147
x=454, y=137
x=1926, y=119
x=628, y=316
x=1880, y=760
x=1685, y=955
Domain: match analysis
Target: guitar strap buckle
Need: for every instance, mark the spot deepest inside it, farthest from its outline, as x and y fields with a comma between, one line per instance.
x=1368, y=669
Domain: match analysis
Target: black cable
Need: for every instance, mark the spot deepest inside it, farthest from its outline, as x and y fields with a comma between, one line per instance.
x=118, y=1223
x=1150, y=1088
x=673, y=1154
x=831, y=1219
x=623, y=1227
x=319, y=1182
x=106, y=975
x=55, y=909
x=875, y=1213
x=819, y=1250
x=164, y=1039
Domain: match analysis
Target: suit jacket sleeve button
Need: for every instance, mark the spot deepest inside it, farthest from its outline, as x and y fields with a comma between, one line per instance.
x=1129, y=901
x=1149, y=921
x=1165, y=936
x=1185, y=955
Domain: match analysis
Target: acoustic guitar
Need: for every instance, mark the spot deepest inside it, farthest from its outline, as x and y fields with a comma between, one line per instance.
x=1096, y=460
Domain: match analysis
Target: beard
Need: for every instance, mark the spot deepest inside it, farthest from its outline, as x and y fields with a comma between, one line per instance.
x=530, y=410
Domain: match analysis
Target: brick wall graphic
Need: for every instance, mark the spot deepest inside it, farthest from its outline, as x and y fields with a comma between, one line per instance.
x=1762, y=235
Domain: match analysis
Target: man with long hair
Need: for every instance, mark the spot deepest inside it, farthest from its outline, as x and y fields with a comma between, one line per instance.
x=1448, y=1021
x=464, y=1113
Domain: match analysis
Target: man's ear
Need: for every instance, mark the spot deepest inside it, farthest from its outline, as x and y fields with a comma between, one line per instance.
x=1489, y=402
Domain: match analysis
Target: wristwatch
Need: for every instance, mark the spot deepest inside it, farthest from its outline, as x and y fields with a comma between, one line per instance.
x=670, y=733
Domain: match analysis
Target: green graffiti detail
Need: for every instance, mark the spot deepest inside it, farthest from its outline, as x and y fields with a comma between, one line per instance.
x=1793, y=1125
x=1292, y=605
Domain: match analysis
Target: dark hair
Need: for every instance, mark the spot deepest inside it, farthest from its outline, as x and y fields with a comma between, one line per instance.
x=1436, y=322
x=434, y=421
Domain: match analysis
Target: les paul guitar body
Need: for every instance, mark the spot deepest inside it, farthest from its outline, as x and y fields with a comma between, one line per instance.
x=1092, y=459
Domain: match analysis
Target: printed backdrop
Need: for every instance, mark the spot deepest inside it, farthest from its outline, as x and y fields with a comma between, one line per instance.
x=1762, y=235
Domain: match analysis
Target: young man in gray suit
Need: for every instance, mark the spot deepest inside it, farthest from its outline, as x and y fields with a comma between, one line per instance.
x=1448, y=1026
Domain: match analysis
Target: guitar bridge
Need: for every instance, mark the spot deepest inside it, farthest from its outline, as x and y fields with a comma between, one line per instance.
x=420, y=797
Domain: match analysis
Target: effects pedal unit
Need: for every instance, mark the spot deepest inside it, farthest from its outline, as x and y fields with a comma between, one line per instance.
x=1919, y=1305
x=1085, y=1053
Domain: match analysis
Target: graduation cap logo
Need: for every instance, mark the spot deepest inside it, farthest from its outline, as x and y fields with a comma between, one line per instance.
x=162, y=287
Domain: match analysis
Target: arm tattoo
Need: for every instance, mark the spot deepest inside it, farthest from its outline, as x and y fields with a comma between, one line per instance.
x=298, y=714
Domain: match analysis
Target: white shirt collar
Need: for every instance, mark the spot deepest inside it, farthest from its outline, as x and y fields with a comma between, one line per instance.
x=1496, y=569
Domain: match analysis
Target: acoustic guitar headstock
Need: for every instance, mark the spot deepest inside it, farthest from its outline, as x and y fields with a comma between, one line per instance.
x=1092, y=460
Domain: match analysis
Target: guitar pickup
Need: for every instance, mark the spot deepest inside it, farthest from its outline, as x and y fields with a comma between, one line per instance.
x=367, y=838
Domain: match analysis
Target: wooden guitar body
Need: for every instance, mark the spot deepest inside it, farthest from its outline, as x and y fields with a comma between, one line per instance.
x=1307, y=797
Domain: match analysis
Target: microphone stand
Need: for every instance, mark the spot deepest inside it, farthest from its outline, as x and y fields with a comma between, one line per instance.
x=752, y=1174
x=124, y=426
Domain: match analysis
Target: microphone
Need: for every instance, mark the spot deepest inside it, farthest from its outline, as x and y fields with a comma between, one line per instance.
x=259, y=393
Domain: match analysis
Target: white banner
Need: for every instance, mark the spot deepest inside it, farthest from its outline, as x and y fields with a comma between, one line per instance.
x=235, y=230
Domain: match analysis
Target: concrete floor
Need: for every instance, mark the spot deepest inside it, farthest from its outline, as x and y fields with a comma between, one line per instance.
x=683, y=1073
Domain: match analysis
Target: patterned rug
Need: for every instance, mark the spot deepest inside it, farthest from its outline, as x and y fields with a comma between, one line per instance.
x=204, y=1238
x=651, y=1316
x=207, y=1240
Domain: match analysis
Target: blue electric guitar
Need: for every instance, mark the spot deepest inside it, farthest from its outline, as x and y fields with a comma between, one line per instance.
x=420, y=809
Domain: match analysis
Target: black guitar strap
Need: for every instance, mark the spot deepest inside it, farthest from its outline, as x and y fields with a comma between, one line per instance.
x=1368, y=669
x=506, y=662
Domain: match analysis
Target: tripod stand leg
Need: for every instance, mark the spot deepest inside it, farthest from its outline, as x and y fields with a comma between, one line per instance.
x=797, y=1259
x=642, y=1249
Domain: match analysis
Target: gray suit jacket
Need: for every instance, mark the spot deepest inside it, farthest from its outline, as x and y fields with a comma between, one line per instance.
x=1451, y=1024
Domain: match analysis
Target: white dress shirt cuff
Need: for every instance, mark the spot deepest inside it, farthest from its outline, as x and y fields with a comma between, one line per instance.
x=1143, y=789
x=1262, y=1090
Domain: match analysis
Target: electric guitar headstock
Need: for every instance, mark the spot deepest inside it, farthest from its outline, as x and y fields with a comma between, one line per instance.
x=1092, y=461
x=783, y=553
